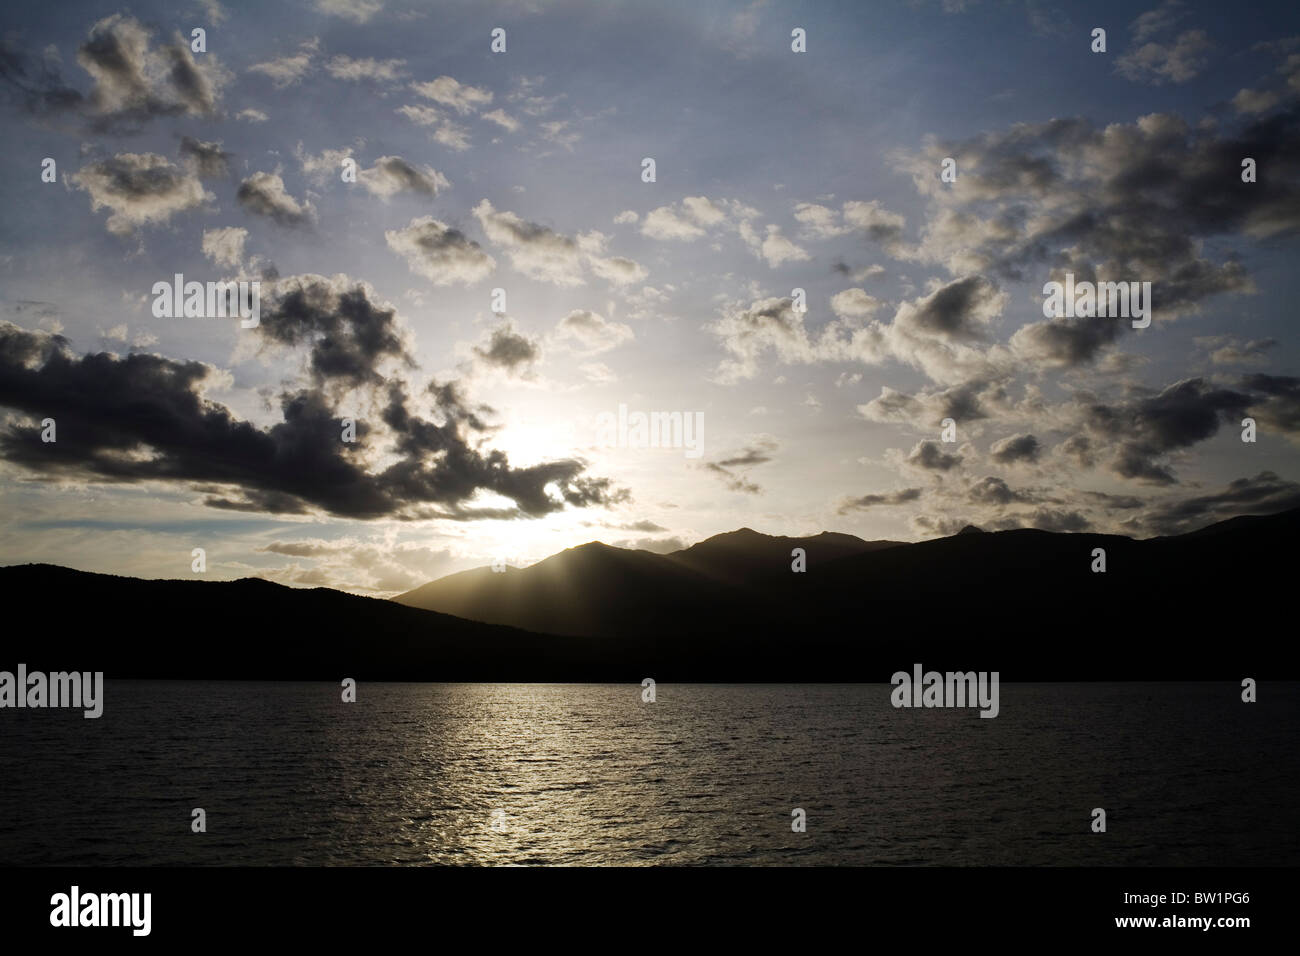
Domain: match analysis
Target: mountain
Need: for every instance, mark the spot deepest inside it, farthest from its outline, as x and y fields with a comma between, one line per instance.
x=1204, y=605
x=256, y=630
x=598, y=590
x=1026, y=599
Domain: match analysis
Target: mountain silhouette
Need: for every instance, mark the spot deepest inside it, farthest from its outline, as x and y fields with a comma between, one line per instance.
x=598, y=590
x=1203, y=605
x=1027, y=600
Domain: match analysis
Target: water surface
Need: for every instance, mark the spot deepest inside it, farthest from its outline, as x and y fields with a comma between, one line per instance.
x=707, y=774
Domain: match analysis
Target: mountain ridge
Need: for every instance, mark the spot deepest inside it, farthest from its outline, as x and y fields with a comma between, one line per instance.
x=1023, y=602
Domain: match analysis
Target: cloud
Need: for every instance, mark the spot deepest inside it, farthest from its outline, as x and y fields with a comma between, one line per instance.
x=665, y=223
x=346, y=68
x=358, y=11
x=1124, y=202
x=1255, y=101
x=877, y=223
x=774, y=248
x=140, y=189
x=1230, y=350
x=991, y=490
x=819, y=222
x=225, y=246
x=868, y=219
x=144, y=417
x=452, y=136
x=1065, y=342
x=263, y=194
x=541, y=253
x=1265, y=493
x=209, y=160
x=858, y=275
x=654, y=545
x=391, y=175
x=132, y=79
x=324, y=166
x=421, y=115
x=379, y=566
x=959, y=311
x=1157, y=21
x=592, y=332
x=1057, y=519
x=215, y=12
x=509, y=350
x=347, y=334
x=441, y=254
x=561, y=133
x=449, y=92
x=691, y=218
x=643, y=525
x=1156, y=63
x=1016, y=448
x=287, y=70
x=964, y=403
x=1277, y=402
x=758, y=451
x=930, y=456
x=865, y=502
x=748, y=332
x=1140, y=433
x=502, y=119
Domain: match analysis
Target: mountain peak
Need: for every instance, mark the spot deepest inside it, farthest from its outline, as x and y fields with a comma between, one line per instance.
x=971, y=529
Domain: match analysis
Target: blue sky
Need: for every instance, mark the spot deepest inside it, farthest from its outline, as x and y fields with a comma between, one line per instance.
x=521, y=170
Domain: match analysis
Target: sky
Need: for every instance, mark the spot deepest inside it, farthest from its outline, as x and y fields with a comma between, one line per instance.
x=485, y=175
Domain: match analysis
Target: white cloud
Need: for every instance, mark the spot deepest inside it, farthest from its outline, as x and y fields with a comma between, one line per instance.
x=450, y=92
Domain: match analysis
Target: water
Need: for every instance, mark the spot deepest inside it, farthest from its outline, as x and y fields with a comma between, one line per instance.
x=708, y=774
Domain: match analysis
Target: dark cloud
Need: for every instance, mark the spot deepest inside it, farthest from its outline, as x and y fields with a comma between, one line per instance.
x=1280, y=408
x=1053, y=519
x=264, y=195
x=133, y=80
x=930, y=455
x=900, y=497
x=1120, y=502
x=1137, y=201
x=143, y=418
x=994, y=491
x=757, y=452
x=209, y=160
x=959, y=310
x=348, y=336
x=508, y=349
x=1066, y=342
x=647, y=526
x=1142, y=431
x=1266, y=493
x=35, y=86
x=1015, y=448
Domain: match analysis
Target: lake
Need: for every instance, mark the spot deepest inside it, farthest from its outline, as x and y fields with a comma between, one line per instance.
x=589, y=774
